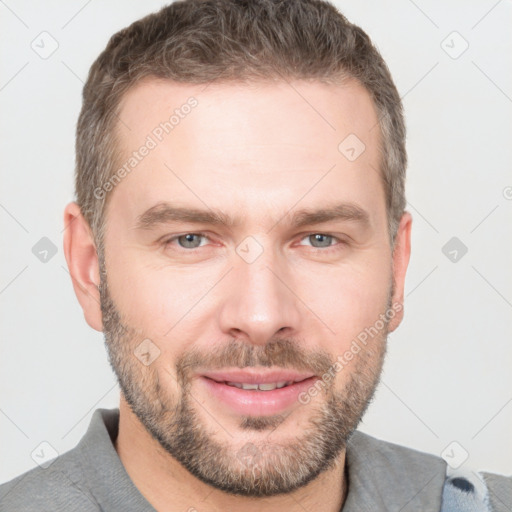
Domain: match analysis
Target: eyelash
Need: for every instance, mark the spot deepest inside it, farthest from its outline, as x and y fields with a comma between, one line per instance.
x=328, y=249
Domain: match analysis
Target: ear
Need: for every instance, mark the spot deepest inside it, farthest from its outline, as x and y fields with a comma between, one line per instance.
x=401, y=255
x=82, y=259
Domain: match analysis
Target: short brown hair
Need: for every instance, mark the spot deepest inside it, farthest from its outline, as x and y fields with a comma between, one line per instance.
x=200, y=41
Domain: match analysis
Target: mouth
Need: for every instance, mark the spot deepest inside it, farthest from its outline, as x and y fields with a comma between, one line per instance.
x=270, y=386
x=256, y=393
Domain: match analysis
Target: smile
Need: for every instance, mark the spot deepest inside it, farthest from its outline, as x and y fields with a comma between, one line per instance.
x=260, y=387
x=252, y=392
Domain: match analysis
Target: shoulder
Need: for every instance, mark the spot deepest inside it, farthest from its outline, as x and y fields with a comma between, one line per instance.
x=59, y=487
x=392, y=457
x=384, y=474
x=499, y=489
x=465, y=489
x=426, y=477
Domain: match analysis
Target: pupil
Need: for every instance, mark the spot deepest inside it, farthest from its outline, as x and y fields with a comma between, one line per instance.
x=188, y=240
x=324, y=240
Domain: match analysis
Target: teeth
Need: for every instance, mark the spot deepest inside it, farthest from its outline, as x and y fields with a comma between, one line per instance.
x=249, y=386
x=261, y=387
x=267, y=387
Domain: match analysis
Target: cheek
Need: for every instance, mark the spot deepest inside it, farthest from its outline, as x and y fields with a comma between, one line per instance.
x=349, y=300
x=157, y=300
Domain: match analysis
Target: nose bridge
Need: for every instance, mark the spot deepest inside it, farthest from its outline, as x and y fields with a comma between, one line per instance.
x=258, y=303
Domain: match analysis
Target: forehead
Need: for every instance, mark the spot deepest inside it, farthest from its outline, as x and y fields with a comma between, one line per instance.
x=263, y=111
x=248, y=146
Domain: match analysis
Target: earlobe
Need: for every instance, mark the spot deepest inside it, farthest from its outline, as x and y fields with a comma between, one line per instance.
x=401, y=255
x=83, y=265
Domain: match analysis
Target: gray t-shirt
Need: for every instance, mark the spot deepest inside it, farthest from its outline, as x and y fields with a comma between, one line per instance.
x=382, y=477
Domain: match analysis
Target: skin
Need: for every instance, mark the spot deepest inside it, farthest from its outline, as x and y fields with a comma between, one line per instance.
x=258, y=152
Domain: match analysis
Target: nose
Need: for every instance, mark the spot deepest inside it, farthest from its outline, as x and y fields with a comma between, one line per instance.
x=260, y=301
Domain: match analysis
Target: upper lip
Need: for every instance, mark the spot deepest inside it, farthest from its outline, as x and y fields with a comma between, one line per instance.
x=252, y=376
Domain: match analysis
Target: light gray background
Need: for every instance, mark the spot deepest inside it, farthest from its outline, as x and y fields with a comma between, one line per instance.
x=448, y=372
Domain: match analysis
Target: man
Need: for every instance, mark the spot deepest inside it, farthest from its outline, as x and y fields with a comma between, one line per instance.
x=240, y=237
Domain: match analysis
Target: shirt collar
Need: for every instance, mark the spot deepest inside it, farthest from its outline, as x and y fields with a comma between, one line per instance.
x=386, y=476
x=381, y=476
x=103, y=470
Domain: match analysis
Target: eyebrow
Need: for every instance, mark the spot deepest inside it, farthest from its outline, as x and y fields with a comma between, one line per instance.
x=164, y=213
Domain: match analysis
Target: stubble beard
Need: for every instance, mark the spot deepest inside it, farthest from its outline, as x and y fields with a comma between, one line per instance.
x=259, y=468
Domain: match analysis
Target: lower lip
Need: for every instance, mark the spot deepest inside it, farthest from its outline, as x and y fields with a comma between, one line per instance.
x=257, y=403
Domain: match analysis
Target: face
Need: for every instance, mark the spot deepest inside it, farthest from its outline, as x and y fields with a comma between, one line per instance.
x=245, y=256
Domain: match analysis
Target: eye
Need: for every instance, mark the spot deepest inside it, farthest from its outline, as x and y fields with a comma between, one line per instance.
x=321, y=240
x=196, y=240
x=188, y=240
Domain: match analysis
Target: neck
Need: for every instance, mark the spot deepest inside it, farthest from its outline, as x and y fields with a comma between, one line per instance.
x=169, y=487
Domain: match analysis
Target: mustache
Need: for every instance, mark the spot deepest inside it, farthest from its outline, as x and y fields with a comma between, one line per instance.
x=283, y=353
